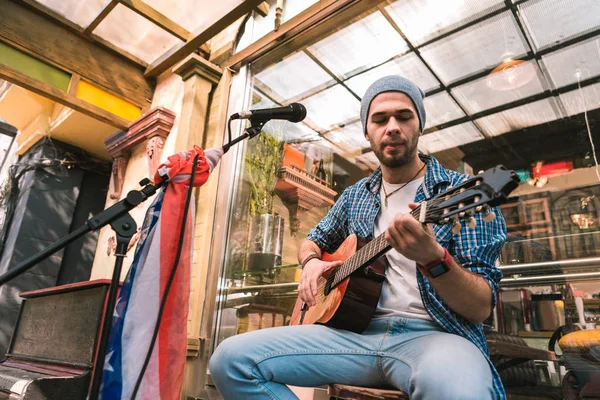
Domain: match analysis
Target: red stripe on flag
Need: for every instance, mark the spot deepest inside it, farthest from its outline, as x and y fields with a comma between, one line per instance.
x=172, y=338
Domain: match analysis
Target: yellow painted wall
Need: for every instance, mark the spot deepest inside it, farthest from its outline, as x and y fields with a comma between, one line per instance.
x=107, y=101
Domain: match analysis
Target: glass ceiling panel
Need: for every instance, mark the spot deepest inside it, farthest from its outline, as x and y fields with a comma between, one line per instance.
x=482, y=46
x=293, y=76
x=577, y=101
x=478, y=96
x=289, y=131
x=553, y=21
x=349, y=138
x=331, y=107
x=180, y=11
x=80, y=12
x=449, y=138
x=421, y=20
x=365, y=43
x=563, y=65
x=134, y=34
x=517, y=118
x=408, y=66
x=441, y=108
x=295, y=7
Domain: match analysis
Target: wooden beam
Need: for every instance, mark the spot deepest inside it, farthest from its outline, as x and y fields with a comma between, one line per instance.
x=263, y=9
x=215, y=20
x=57, y=95
x=100, y=17
x=144, y=10
x=73, y=84
x=42, y=38
x=73, y=27
x=317, y=21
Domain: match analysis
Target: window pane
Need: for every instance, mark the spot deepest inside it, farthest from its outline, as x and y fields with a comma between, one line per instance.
x=331, y=107
x=478, y=48
x=441, y=108
x=478, y=96
x=365, y=43
x=448, y=138
x=578, y=101
x=80, y=12
x=421, y=20
x=295, y=7
x=408, y=66
x=553, y=21
x=350, y=138
x=580, y=60
x=519, y=117
x=135, y=34
x=293, y=76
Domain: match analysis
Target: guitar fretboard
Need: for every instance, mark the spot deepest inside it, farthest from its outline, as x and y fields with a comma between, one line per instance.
x=366, y=255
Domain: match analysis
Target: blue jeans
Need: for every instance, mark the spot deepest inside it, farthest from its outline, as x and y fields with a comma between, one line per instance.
x=415, y=356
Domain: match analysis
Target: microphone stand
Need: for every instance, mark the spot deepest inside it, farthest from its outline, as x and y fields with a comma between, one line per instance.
x=125, y=227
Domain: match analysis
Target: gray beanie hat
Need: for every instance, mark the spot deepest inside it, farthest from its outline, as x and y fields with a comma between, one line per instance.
x=392, y=83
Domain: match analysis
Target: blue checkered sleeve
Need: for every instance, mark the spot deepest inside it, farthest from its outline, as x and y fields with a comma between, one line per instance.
x=331, y=231
x=478, y=249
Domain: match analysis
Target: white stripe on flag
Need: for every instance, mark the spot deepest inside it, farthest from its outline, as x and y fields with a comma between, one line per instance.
x=141, y=318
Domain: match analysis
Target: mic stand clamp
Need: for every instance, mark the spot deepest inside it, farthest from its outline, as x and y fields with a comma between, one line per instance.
x=254, y=129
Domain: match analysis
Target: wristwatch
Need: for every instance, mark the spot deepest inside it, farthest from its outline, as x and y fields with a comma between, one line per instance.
x=437, y=267
x=308, y=258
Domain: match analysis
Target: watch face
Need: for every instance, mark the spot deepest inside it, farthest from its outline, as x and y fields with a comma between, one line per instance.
x=437, y=270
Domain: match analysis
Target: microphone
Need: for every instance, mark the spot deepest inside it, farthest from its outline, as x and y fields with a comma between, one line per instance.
x=295, y=112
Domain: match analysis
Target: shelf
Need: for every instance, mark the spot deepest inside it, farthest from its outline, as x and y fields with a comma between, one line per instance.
x=536, y=335
x=298, y=187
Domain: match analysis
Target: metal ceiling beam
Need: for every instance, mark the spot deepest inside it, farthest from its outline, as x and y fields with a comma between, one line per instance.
x=215, y=20
x=418, y=54
x=546, y=81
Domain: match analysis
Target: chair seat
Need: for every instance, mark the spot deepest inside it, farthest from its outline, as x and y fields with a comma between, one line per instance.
x=361, y=393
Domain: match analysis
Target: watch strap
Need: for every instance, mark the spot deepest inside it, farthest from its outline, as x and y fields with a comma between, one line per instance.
x=437, y=267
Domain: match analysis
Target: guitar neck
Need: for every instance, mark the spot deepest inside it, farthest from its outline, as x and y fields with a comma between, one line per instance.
x=365, y=256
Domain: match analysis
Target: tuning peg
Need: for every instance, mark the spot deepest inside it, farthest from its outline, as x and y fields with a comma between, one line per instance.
x=456, y=227
x=472, y=222
x=489, y=217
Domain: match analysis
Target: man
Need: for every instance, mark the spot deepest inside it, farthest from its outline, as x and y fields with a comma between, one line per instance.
x=426, y=338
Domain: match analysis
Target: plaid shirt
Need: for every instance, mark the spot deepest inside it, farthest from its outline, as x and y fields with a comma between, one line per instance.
x=475, y=249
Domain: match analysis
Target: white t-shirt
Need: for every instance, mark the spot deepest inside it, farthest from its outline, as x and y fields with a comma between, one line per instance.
x=400, y=294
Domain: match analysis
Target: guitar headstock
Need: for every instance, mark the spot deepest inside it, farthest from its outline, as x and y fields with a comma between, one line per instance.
x=476, y=195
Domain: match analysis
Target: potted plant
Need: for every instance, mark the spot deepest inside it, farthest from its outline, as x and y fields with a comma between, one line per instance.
x=262, y=164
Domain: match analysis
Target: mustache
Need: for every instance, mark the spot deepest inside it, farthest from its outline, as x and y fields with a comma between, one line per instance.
x=393, y=143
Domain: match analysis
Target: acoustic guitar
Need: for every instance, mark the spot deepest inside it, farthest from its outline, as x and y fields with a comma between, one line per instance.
x=347, y=296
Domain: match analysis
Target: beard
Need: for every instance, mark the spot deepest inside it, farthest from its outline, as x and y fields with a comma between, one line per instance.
x=396, y=158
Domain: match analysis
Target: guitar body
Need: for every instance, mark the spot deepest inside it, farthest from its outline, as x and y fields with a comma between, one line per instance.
x=347, y=297
x=351, y=304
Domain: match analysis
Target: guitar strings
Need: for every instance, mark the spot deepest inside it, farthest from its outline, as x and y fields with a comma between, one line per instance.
x=372, y=248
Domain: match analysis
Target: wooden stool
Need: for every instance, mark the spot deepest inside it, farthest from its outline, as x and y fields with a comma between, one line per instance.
x=345, y=392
